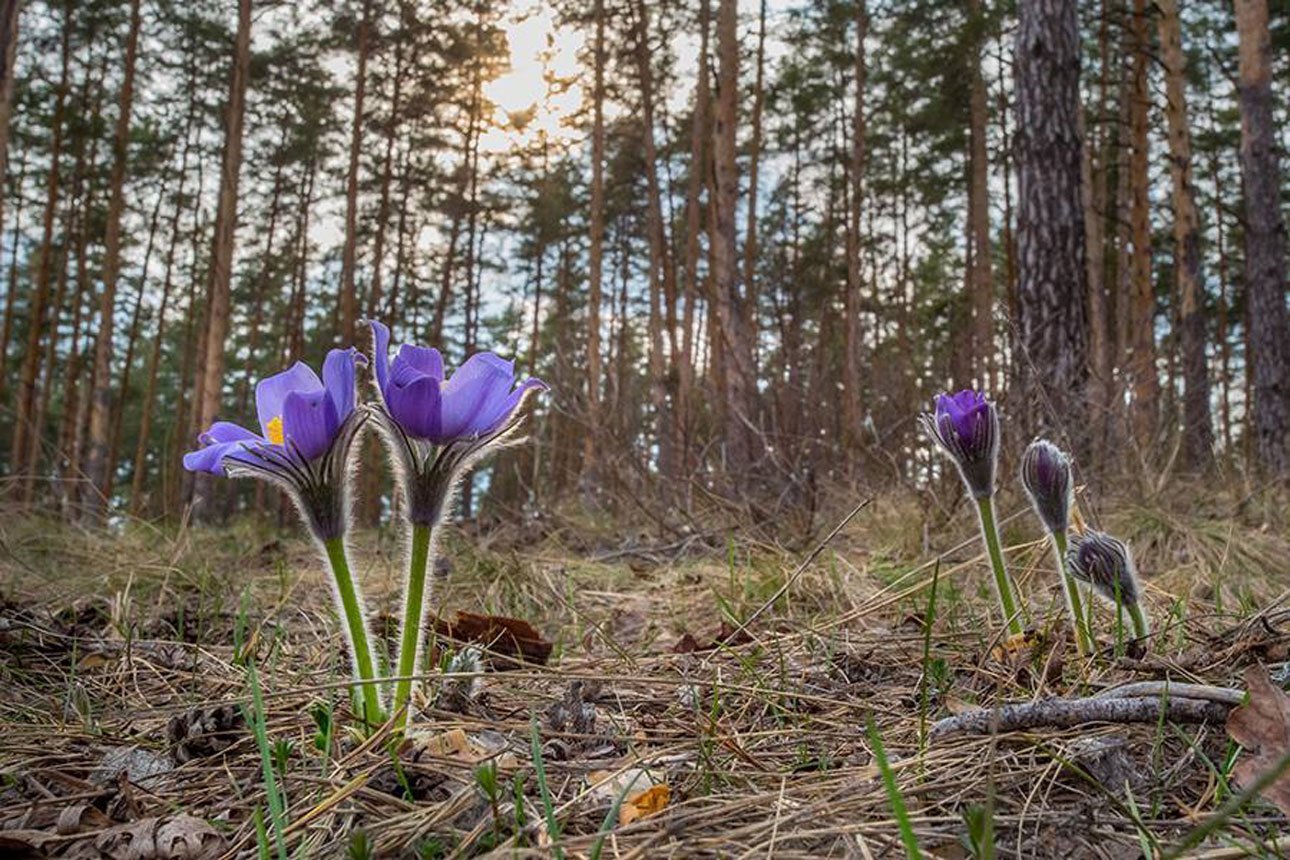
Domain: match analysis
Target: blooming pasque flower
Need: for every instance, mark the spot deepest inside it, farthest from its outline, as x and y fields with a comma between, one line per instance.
x=1105, y=564
x=1046, y=475
x=307, y=426
x=966, y=426
x=438, y=426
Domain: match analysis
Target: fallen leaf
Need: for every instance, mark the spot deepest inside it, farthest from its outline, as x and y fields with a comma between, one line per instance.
x=502, y=637
x=1262, y=727
x=609, y=785
x=726, y=634
x=649, y=802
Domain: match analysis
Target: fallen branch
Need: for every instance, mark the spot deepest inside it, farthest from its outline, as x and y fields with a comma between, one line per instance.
x=1065, y=713
x=1223, y=695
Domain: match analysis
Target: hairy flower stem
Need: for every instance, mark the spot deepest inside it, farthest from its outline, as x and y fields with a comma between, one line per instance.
x=414, y=598
x=1083, y=639
x=1002, y=584
x=357, y=627
x=1140, y=627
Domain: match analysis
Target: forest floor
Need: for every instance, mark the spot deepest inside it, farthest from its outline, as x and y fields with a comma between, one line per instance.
x=153, y=678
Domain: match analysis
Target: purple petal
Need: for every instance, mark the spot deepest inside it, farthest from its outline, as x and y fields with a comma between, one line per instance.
x=220, y=440
x=271, y=393
x=338, y=377
x=479, y=388
x=505, y=407
x=310, y=422
x=225, y=431
x=381, y=353
x=424, y=359
x=414, y=403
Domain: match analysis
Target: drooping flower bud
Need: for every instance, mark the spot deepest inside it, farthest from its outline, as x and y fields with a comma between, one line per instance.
x=966, y=426
x=1046, y=475
x=1105, y=564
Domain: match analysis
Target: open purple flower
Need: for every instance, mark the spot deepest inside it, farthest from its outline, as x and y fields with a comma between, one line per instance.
x=1046, y=475
x=307, y=429
x=966, y=426
x=438, y=425
x=307, y=426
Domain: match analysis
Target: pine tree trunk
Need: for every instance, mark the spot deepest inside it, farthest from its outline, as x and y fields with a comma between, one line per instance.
x=1050, y=235
x=1141, y=359
x=375, y=296
x=209, y=384
x=349, y=254
x=754, y=165
x=1265, y=241
x=738, y=395
x=100, y=435
x=851, y=417
x=693, y=227
x=9, y=12
x=1198, y=433
x=595, y=250
x=981, y=274
x=658, y=253
x=37, y=311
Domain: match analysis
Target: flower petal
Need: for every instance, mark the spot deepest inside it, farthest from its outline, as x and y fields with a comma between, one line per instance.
x=225, y=431
x=423, y=359
x=309, y=422
x=414, y=403
x=221, y=439
x=503, y=409
x=474, y=391
x=271, y=393
x=381, y=353
x=338, y=373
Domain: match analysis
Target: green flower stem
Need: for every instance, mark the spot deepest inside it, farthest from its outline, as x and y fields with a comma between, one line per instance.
x=357, y=626
x=1140, y=627
x=1083, y=638
x=1002, y=584
x=410, y=638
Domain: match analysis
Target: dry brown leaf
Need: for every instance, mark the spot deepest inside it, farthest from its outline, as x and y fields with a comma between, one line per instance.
x=508, y=637
x=649, y=802
x=1262, y=727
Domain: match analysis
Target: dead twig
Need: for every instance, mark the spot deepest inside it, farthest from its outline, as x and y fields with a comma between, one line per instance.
x=1065, y=713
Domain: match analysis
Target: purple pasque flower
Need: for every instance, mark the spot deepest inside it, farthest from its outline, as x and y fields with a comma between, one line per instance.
x=1046, y=475
x=438, y=425
x=307, y=427
x=966, y=426
x=1105, y=564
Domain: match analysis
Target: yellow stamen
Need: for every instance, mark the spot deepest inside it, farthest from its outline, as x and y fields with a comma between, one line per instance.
x=275, y=430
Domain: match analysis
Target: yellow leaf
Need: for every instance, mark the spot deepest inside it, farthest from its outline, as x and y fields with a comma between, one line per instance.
x=643, y=805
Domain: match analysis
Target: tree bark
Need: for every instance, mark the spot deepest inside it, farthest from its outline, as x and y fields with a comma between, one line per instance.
x=596, y=243
x=1265, y=242
x=349, y=254
x=9, y=12
x=37, y=311
x=209, y=384
x=738, y=395
x=100, y=433
x=1140, y=361
x=1198, y=432
x=1050, y=235
x=980, y=272
x=851, y=417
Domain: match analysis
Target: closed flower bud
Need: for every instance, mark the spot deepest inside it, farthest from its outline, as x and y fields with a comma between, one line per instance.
x=1046, y=475
x=1104, y=563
